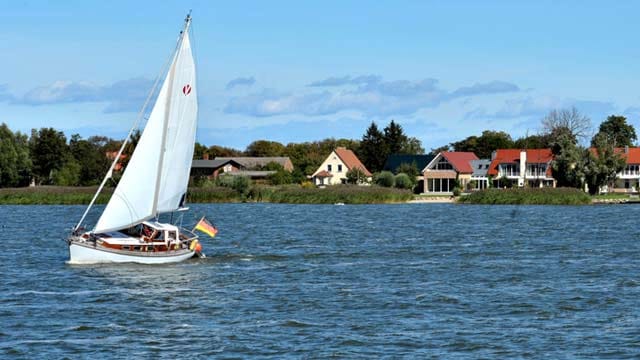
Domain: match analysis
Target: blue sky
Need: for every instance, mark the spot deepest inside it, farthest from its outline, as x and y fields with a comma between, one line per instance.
x=295, y=71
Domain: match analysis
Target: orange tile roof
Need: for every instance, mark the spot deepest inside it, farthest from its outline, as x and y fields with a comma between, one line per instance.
x=632, y=156
x=324, y=173
x=506, y=156
x=460, y=160
x=351, y=160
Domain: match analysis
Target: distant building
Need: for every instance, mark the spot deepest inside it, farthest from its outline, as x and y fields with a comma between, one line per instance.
x=479, y=177
x=530, y=167
x=334, y=168
x=394, y=161
x=246, y=166
x=441, y=173
x=112, y=155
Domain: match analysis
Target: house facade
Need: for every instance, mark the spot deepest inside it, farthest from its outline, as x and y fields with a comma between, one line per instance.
x=530, y=167
x=479, y=177
x=441, y=174
x=628, y=179
x=334, y=168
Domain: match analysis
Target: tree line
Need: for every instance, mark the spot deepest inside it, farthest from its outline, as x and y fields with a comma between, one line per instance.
x=46, y=157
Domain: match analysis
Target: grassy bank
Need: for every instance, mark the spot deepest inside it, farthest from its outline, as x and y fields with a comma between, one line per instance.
x=293, y=194
x=528, y=196
x=52, y=195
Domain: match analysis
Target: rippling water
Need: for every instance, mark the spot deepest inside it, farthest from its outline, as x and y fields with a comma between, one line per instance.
x=315, y=281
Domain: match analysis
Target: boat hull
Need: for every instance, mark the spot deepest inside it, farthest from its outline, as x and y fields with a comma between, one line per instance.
x=88, y=254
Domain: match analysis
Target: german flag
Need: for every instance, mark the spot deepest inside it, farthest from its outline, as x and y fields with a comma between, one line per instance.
x=204, y=226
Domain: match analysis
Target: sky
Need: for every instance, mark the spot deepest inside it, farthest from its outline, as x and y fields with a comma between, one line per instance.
x=294, y=71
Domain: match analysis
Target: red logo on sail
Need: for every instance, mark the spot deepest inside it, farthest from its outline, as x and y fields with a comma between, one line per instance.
x=186, y=90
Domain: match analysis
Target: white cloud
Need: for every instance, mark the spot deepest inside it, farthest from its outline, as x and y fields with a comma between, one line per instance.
x=121, y=96
x=367, y=95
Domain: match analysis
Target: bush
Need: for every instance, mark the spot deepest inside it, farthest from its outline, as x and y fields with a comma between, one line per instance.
x=384, y=179
x=456, y=191
x=356, y=176
x=404, y=181
x=280, y=177
x=528, y=196
x=241, y=184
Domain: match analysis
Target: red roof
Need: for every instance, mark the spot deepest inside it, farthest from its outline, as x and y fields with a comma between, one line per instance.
x=324, y=173
x=631, y=155
x=460, y=160
x=512, y=156
x=351, y=160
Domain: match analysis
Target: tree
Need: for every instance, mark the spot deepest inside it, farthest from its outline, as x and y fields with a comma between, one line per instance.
x=221, y=151
x=198, y=151
x=560, y=122
x=265, y=148
x=90, y=158
x=533, y=142
x=15, y=165
x=355, y=175
x=601, y=163
x=394, y=138
x=373, y=149
x=567, y=161
x=280, y=177
x=68, y=175
x=436, y=151
x=49, y=151
x=485, y=144
x=618, y=132
x=412, y=146
x=409, y=169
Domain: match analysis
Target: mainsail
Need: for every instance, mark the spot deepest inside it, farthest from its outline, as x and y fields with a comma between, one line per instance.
x=157, y=175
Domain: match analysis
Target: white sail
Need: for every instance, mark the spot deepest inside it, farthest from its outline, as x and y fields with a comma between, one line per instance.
x=154, y=169
x=181, y=132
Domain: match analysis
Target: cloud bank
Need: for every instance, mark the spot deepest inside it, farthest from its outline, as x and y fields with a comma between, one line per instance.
x=368, y=94
x=121, y=96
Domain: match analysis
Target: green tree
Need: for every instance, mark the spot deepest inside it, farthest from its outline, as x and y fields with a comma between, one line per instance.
x=567, y=161
x=438, y=150
x=265, y=148
x=602, y=163
x=412, y=146
x=90, y=156
x=49, y=151
x=355, y=175
x=617, y=131
x=394, y=138
x=485, y=144
x=373, y=149
x=15, y=165
x=198, y=151
x=280, y=177
x=409, y=169
x=533, y=142
x=68, y=175
x=221, y=151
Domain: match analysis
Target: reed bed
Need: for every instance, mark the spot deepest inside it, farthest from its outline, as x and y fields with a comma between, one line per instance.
x=528, y=196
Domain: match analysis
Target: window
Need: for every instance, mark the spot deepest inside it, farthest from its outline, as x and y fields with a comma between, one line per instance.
x=329, y=168
x=443, y=164
x=339, y=167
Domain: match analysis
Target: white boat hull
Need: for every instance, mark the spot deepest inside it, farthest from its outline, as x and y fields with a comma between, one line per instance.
x=87, y=254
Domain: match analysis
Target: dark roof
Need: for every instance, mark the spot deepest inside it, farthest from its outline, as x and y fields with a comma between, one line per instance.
x=480, y=167
x=213, y=164
x=394, y=161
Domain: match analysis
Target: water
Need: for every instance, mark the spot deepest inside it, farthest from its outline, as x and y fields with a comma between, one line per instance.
x=313, y=281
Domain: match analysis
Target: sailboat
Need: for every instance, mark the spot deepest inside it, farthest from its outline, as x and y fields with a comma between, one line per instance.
x=154, y=181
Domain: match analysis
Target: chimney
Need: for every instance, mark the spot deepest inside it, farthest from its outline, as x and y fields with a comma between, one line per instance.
x=626, y=149
x=205, y=156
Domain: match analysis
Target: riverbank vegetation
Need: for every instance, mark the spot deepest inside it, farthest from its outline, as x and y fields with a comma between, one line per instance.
x=527, y=196
x=239, y=192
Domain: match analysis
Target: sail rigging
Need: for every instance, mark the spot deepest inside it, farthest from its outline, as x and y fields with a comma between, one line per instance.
x=155, y=179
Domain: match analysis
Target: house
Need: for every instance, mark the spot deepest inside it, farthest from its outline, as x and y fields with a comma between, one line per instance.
x=441, y=174
x=628, y=179
x=479, y=177
x=530, y=167
x=111, y=155
x=334, y=168
x=246, y=166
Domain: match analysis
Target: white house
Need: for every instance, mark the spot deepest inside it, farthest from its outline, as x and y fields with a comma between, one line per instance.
x=334, y=168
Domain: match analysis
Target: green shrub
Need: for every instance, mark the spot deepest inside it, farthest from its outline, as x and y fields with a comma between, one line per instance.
x=404, y=181
x=384, y=179
x=528, y=196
